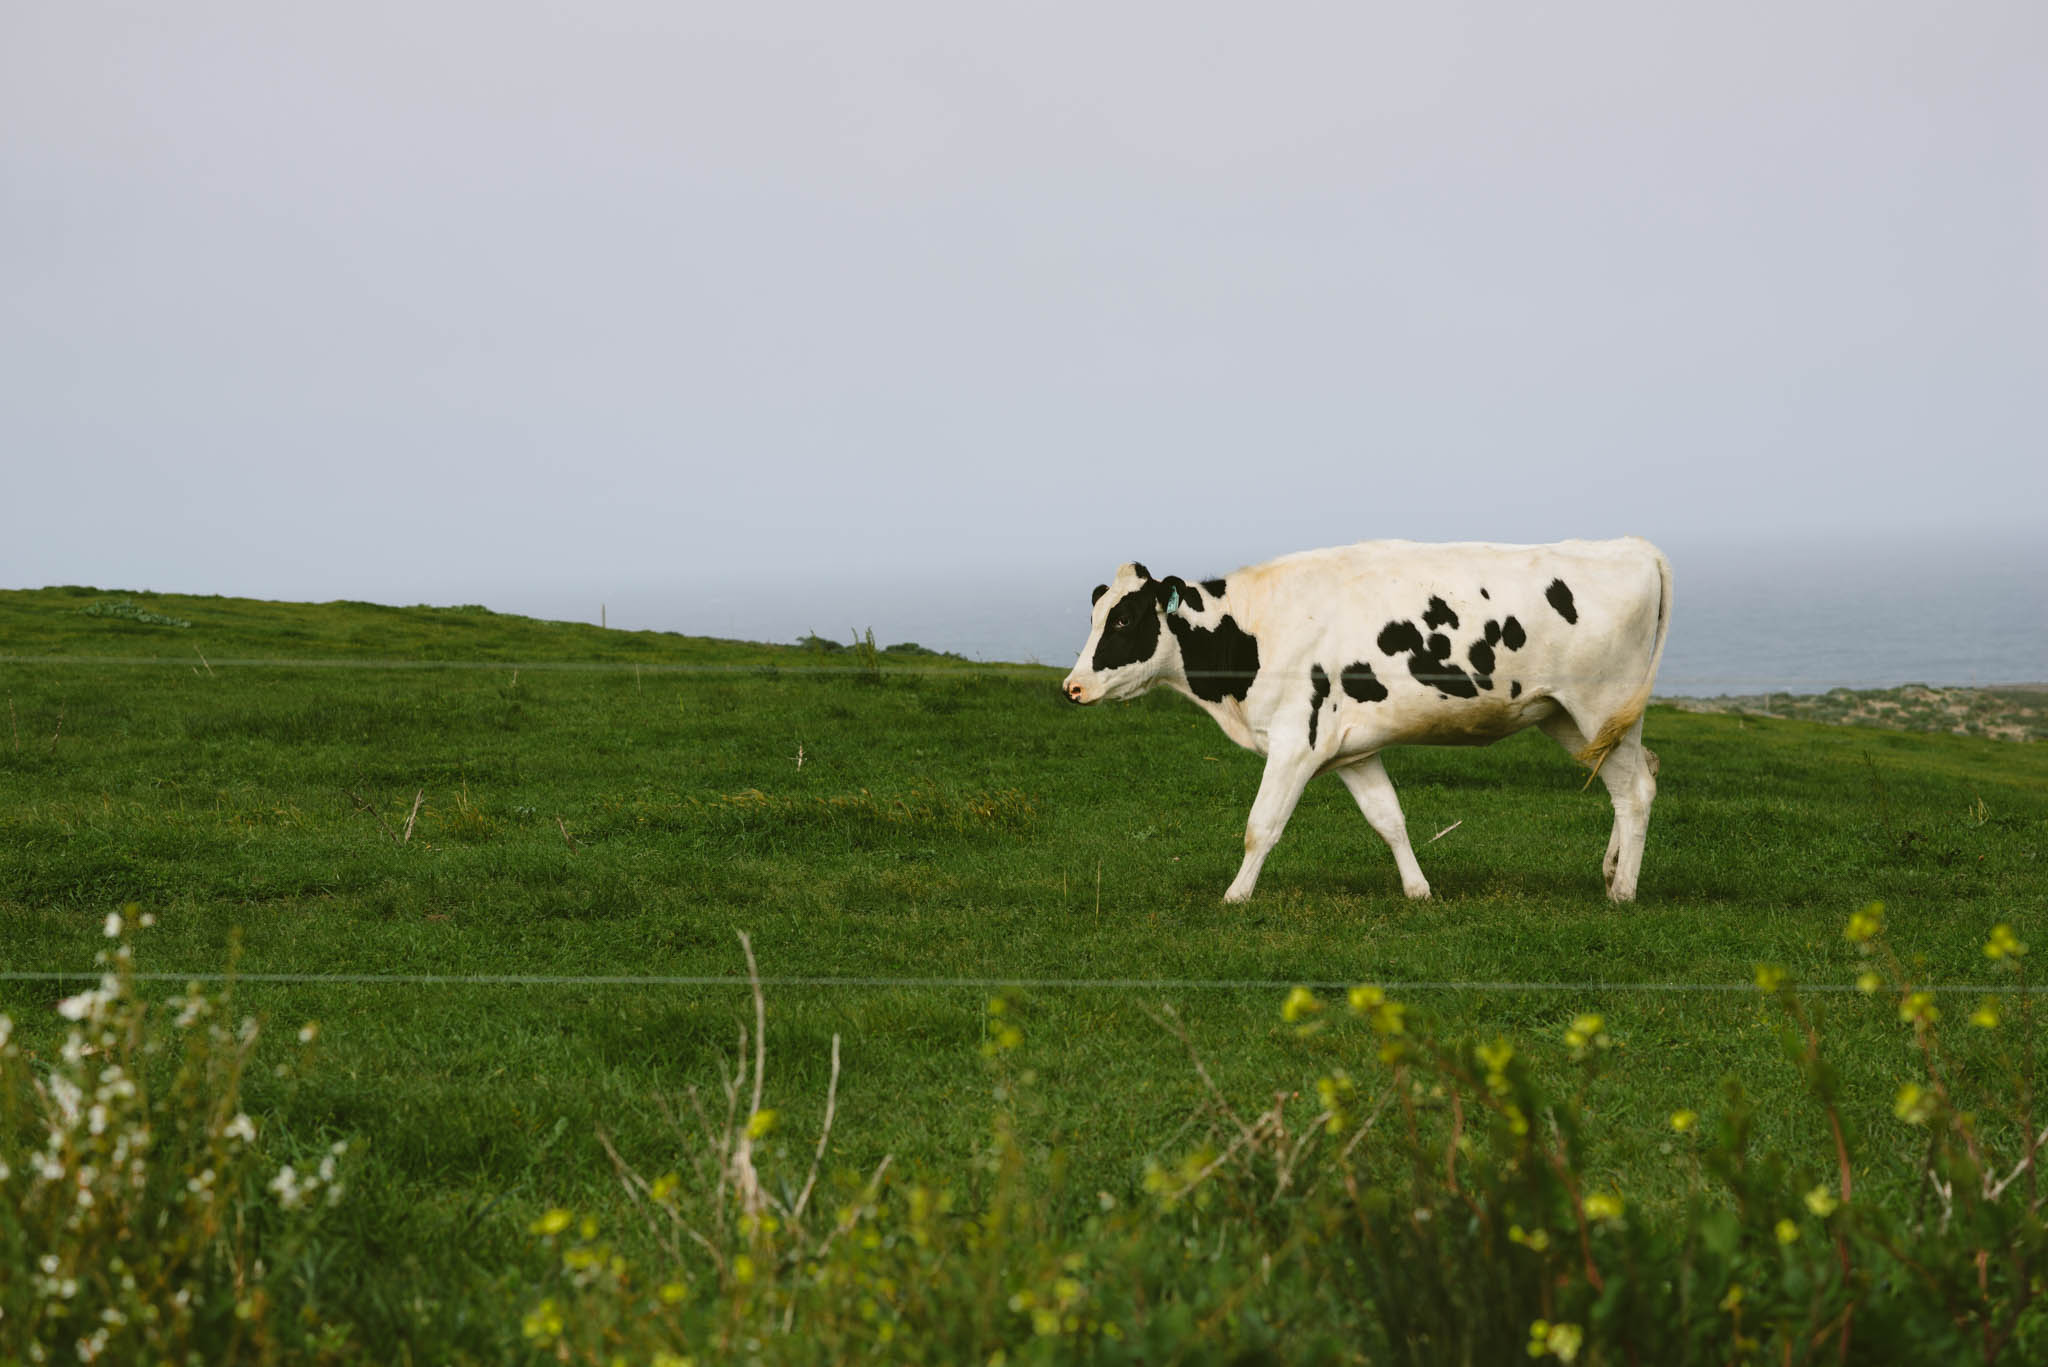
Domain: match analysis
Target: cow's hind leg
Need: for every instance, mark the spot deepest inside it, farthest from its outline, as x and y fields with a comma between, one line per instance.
x=1374, y=792
x=1629, y=773
x=1287, y=773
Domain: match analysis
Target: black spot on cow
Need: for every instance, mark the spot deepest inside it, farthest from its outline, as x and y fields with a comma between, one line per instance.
x=1430, y=665
x=1484, y=594
x=1191, y=596
x=1096, y=596
x=1358, y=683
x=1560, y=595
x=1319, y=687
x=1396, y=637
x=1140, y=570
x=1481, y=658
x=1214, y=587
x=1131, y=632
x=1443, y=676
x=1511, y=634
x=1440, y=615
x=1515, y=689
x=1221, y=662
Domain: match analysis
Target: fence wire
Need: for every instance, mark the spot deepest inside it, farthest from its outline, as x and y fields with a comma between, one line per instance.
x=952, y=984
x=1737, y=685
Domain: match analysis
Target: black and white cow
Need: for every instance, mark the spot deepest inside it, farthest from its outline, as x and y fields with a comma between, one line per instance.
x=1321, y=660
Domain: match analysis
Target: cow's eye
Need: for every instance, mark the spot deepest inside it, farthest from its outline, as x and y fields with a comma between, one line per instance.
x=1119, y=623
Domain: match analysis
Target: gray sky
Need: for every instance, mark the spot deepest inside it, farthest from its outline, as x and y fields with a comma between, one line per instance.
x=752, y=318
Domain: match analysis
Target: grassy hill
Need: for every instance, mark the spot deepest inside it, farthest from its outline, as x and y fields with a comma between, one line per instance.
x=418, y=806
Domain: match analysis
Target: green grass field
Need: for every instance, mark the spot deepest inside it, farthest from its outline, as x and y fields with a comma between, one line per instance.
x=613, y=803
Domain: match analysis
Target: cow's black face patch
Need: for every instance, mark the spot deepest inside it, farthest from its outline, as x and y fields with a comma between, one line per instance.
x=1319, y=686
x=1358, y=683
x=1096, y=596
x=1439, y=615
x=1560, y=595
x=1214, y=586
x=1221, y=662
x=1130, y=633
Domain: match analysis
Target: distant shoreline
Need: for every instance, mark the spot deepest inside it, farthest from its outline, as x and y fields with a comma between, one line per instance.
x=2017, y=711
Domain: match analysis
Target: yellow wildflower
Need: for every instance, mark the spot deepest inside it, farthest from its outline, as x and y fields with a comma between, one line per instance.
x=1919, y=1010
x=1535, y=1240
x=1586, y=1031
x=552, y=1223
x=1769, y=977
x=1867, y=982
x=1914, y=1104
x=1603, y=1205
x=1364, y=998
x=760, y=1123
x=1561, y=1341
x=1787, y=1232
x=1682, y=1121
x=671, y=1292
x=1822, y=1202
x=1985, y=1017
x=2003, y=943
x=1865, y=924
x=1300, y=1002
x=543, y=1322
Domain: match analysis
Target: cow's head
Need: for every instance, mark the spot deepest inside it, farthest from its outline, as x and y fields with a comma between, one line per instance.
x=1129, y=648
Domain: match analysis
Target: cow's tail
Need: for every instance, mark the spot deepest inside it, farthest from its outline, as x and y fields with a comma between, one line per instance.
x=1615, y=727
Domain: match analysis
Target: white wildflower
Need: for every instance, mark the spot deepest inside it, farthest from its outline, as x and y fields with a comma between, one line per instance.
x=242, y=1128
x=291, y=1193
x=80, y=1007
x=66, y=1094
x=112, y=929
x=309, y=1032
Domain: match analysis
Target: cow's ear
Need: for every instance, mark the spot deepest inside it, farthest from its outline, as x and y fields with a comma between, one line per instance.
x=1096, y=596
x=1168, y=590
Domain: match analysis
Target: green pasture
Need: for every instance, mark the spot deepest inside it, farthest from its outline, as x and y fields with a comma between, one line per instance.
x=613, y=803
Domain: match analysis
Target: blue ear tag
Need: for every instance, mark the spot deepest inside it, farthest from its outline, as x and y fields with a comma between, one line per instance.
x=1173, y=600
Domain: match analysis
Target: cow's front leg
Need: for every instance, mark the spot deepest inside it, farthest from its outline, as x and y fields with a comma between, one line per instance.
x=1287, y=773
x=1375, y=795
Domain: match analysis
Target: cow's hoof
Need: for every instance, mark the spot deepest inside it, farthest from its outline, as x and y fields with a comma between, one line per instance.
x=1234, y=896
x=1417, y=893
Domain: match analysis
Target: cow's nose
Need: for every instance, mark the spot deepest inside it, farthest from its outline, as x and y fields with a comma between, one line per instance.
x=1073, y=691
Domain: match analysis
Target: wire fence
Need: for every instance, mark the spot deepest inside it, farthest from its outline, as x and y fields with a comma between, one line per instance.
x=975, y=984
x=1669, y=687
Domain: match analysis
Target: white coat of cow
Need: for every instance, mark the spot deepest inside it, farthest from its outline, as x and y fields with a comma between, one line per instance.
x=1321, y=660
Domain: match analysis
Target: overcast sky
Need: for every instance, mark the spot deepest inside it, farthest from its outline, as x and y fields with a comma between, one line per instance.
x=747, y=318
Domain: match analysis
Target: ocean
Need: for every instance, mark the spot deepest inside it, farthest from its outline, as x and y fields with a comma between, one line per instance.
x=1779, y=617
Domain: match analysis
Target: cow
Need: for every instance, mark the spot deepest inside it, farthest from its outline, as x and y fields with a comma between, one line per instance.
x=1319, y=661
